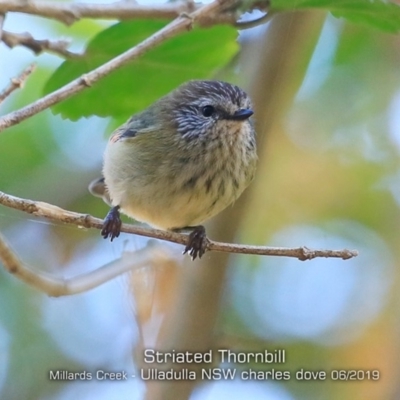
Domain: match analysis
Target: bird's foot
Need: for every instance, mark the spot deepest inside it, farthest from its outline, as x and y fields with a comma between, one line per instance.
x=112, y=224
x=197, y=242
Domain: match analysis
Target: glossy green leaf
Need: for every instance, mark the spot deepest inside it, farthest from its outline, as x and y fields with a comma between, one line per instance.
x=192, y=55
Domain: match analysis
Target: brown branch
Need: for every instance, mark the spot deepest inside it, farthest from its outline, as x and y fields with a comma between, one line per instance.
x=59, y=47
x=68, y=13
x=54, y=213
x=68, y=286
x=178, y=25
x=17, y=83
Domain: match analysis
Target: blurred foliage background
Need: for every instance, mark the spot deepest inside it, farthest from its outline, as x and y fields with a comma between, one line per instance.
x=328, y=177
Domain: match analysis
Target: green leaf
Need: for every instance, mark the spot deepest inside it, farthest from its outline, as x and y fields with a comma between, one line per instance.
x=193, y=55
x=377, y=13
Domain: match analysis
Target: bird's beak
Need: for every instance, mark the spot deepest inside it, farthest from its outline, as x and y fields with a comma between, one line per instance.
x=241, y=115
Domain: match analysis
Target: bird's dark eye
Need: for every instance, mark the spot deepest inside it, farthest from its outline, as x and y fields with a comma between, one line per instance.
x=207, y=111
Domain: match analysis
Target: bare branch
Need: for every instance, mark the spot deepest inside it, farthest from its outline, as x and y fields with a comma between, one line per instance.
x=68, y=13
x=178, y=25
x=25, y=39
x=64, y=287
x=54, y=213
x=17, y=83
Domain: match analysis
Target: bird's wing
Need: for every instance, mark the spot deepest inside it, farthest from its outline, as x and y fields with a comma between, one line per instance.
x=137, y=125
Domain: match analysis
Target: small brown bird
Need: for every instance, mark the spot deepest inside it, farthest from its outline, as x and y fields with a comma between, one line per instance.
x=181, y=161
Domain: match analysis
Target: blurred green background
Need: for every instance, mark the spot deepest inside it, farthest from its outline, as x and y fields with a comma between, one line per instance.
x=328, y=177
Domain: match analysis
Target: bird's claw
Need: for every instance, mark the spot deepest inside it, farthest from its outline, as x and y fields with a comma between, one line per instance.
x=197, y=242
x=112, y=224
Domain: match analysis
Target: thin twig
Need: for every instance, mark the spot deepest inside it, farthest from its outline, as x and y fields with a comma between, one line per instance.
x=68, y=286
x=59, y=47
x=178, y=25
x=17, y=83
x=54, y=213
x=68, y=13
